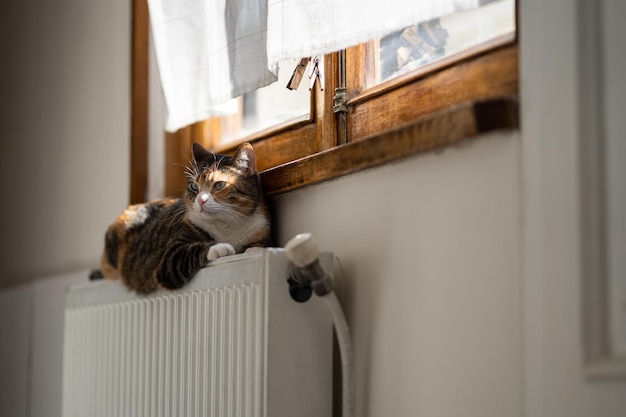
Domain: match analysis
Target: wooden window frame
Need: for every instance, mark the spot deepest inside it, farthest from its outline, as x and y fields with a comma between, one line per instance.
x=139, y=102
x=453, y=99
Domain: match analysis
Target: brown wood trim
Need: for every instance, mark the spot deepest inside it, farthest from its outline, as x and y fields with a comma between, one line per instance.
x=358, y=68
x=361, y=92
x=139, y=103
x=293, y=141
x=444, y=128
x=177, y=152
x=324, y=100
x=286, y=147
x=261, y=135
x=484, y=77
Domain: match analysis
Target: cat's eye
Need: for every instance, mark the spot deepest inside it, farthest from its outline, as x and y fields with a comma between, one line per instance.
x=219, y=185
x=193, y=187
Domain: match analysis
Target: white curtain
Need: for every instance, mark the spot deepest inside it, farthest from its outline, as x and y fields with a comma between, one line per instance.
x=210, y=51
x=297, y=28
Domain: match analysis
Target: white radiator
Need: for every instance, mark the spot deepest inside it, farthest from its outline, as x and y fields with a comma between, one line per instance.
x=231, y=343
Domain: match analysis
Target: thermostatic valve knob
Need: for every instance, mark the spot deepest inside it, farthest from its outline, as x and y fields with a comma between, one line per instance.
x=307, y=271
x=302, y=249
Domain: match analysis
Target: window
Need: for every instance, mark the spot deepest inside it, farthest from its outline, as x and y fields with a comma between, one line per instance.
x=418, y=89
x=427, y=42
x=265, y=108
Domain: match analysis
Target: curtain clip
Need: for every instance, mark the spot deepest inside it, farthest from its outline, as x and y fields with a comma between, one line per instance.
x=296, y=77
x=317, y=73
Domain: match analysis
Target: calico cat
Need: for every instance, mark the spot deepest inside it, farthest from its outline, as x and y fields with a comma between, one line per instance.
x=164, y=242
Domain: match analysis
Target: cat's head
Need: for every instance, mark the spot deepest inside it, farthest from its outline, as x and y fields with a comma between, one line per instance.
x=221, y=187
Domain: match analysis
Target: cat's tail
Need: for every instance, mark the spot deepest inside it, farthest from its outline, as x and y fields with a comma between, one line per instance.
x=95, y=274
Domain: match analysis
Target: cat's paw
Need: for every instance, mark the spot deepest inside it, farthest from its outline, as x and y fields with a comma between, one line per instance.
x=254, y=249
x=220, y=250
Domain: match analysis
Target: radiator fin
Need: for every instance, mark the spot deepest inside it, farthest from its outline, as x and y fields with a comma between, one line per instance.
x=196, y=353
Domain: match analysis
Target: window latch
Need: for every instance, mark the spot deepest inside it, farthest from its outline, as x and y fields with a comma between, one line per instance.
x=341, y=100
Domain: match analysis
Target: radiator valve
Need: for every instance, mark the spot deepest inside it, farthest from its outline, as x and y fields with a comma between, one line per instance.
x=306, y=271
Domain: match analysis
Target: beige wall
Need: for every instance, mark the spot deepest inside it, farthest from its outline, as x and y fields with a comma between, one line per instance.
x=431, y=252
x=65, y=117
x=557, y=58
x=462, y=268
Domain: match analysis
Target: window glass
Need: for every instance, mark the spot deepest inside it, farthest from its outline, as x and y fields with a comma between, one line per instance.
x=426, y=42
x=268, y=106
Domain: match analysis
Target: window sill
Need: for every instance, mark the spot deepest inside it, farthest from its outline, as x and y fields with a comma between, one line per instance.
x=443, y=128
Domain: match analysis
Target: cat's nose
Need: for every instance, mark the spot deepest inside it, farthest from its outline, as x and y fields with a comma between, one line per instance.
x=203, y=198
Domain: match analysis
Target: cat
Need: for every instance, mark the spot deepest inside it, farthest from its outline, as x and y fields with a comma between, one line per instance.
x=164, y=242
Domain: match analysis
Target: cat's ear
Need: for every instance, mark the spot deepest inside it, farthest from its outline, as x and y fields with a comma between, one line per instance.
x=200, y=154
x=245, y=159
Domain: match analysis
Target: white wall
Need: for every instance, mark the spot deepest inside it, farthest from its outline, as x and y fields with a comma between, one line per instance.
x=31, y=352
x=65, y=117
x=614, y=68
x=431, y=252
x=553, y=129
x=462, y=267
x=46, y=349
x=15, y=320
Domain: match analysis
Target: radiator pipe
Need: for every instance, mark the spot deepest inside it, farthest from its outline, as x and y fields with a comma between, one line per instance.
x=307, y=271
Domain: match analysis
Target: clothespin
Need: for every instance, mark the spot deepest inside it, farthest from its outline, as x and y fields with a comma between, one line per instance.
x=316, y=74
x=296, y=77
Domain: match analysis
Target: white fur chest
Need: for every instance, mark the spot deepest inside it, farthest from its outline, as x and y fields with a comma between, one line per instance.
x=239, y=234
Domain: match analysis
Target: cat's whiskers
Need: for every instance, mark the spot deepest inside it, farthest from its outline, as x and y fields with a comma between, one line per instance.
x=245, y=198
x=224, y=211
x=219, y=162
x=179, y=215
x=191, y=171
x=192, y=167
x=223, y=207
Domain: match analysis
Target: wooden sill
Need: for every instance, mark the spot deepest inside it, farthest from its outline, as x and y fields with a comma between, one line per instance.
x=446, y=127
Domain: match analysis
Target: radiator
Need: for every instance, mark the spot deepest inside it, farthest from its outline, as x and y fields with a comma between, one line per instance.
x=231, y=343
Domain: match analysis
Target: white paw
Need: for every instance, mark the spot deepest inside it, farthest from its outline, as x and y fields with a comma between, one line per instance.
x=254, y=249
x=219, y=250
